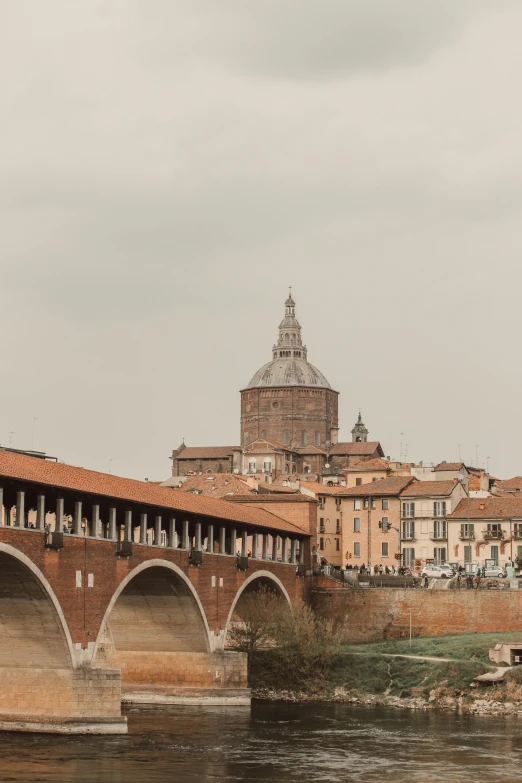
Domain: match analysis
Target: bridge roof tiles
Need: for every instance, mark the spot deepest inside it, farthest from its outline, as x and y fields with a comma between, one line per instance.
x=68, y=477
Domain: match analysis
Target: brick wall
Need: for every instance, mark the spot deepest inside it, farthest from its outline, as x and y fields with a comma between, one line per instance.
x=370, y=615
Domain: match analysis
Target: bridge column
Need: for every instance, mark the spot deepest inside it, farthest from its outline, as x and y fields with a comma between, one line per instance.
x=210, y=538
x=254, y=545
x=40, y=512
x=244, y=544
x=274, y=548
x=171, y=538
x=143, y=528
x=112, y=524
x=95, y=521
x=292, y=550
x=77, y=518
x=197, y=543
x=185, y=536
x=283, y=550
x=2, y=506
x=128, y=525
x=7, y=516
x=59, y=515
x=222, y=541
x=264, y=555
x=157, y=531
x=20, y=509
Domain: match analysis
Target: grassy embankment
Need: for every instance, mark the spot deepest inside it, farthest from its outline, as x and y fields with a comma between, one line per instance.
x=370, y=670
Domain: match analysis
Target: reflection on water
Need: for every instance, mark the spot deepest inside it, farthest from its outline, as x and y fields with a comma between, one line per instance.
x=278, y=743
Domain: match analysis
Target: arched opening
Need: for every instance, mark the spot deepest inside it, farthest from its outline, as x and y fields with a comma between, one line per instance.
x=257, y=583
x=33, y=632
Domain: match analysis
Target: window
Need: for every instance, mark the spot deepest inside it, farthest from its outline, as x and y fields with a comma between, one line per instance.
x=439, y=554
x=337, y=504
x=358, y=481
x=263, y=434
x=337, y=546
x=286, y=438
x=321, y=525
x=467, y=532
x=439, y=528
x=467, y=554
x=275, y=404
x=408, y=509
x=384, y=549
x=439, y=508
x=317, y=439
x=408, y=530
x=303, y=437
x=517, y=530
x=494, y=554
x=385, y=504
x=357, y=504
x=385, y=524
x=338, y=526
x=356, y=549
x=367, y=502
x=356, y=524
x=252, y=466
x=494, y=531
x=321, y=502
x=408, y=557
x=267, y=466
x=287, y=339
x=321, y=544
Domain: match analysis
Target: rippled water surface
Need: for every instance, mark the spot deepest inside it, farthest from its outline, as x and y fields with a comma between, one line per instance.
x=278, y=743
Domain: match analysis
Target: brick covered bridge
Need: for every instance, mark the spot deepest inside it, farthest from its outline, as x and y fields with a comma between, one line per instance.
x=113, y=589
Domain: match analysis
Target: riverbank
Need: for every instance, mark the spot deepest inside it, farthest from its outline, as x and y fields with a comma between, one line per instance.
x=438, y=673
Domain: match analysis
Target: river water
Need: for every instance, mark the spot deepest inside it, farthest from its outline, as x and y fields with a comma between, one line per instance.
x=277, y=743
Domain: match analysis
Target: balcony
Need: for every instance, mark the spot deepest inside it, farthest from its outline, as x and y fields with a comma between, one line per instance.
x=494, y=534
x=517, y=534
x=408, y=537
x=465, y=536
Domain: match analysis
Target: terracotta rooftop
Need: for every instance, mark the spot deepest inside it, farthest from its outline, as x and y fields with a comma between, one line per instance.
x=430, y=488
x=214, y=486
x=489, y=508
x=320, y=489
x=67, y=477
x=206, y=452
x=356, y=448
x=393, y=485
x=514, y=483
x=449, y=466
x=298, y=498
x=369, y=464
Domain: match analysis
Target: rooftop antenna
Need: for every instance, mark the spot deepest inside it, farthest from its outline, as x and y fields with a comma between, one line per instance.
x=476, y=456
x=289, y=290
x=406, y=453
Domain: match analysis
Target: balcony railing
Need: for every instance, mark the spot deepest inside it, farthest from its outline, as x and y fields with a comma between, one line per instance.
x=499, y=534
x=465, y=536
x=517, y=533
x=408, y=536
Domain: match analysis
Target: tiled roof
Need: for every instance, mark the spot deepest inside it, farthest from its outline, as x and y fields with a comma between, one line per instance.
x=512, y=483
x=392, y=485
x=298, y=498
x=270, y=489
x=351, y=449
x=206, y=452
x=215, y=486
x=260, y=445
x=489, y=508
x=67, y=477
x=449, y=466
x=370, y=464
x=304, y=450
x=430, y=488
x=320, y=489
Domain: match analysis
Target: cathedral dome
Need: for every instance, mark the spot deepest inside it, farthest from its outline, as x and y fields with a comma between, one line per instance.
x=288, y=372
x=289, y=365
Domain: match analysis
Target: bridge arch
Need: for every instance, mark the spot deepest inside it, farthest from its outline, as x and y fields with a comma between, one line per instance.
x=155, y=609
x=254, y=582
x=34, y=630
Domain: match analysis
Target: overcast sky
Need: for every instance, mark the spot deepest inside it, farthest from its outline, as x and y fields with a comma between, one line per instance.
x=168, y=168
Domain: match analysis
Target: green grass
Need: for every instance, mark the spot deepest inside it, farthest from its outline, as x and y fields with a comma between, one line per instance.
x=466, y=647
x=376, y=675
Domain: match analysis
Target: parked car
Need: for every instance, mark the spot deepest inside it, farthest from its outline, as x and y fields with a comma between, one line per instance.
x=438, y=571
x=495, y=571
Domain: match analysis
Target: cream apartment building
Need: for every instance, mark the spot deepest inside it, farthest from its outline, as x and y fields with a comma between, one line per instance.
x=487, y=528
x=425, y=508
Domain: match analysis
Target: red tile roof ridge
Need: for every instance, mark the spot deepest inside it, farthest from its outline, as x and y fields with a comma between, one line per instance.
x=68, y=477
x=430, y=488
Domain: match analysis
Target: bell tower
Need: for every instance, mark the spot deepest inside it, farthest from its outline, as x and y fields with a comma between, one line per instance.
x=359, y=432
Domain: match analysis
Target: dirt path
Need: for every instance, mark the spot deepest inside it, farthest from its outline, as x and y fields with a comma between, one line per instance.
x=423, y=657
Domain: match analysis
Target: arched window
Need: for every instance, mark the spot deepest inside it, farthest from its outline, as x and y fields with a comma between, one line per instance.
x=252, y=466
x=287, y=339
x=286, y=438
x=318, y=439
x=267, y=466
x=263, y=434
x=303, y=437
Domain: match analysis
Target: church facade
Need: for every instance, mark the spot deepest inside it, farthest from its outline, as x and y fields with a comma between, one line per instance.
x=289, y=420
